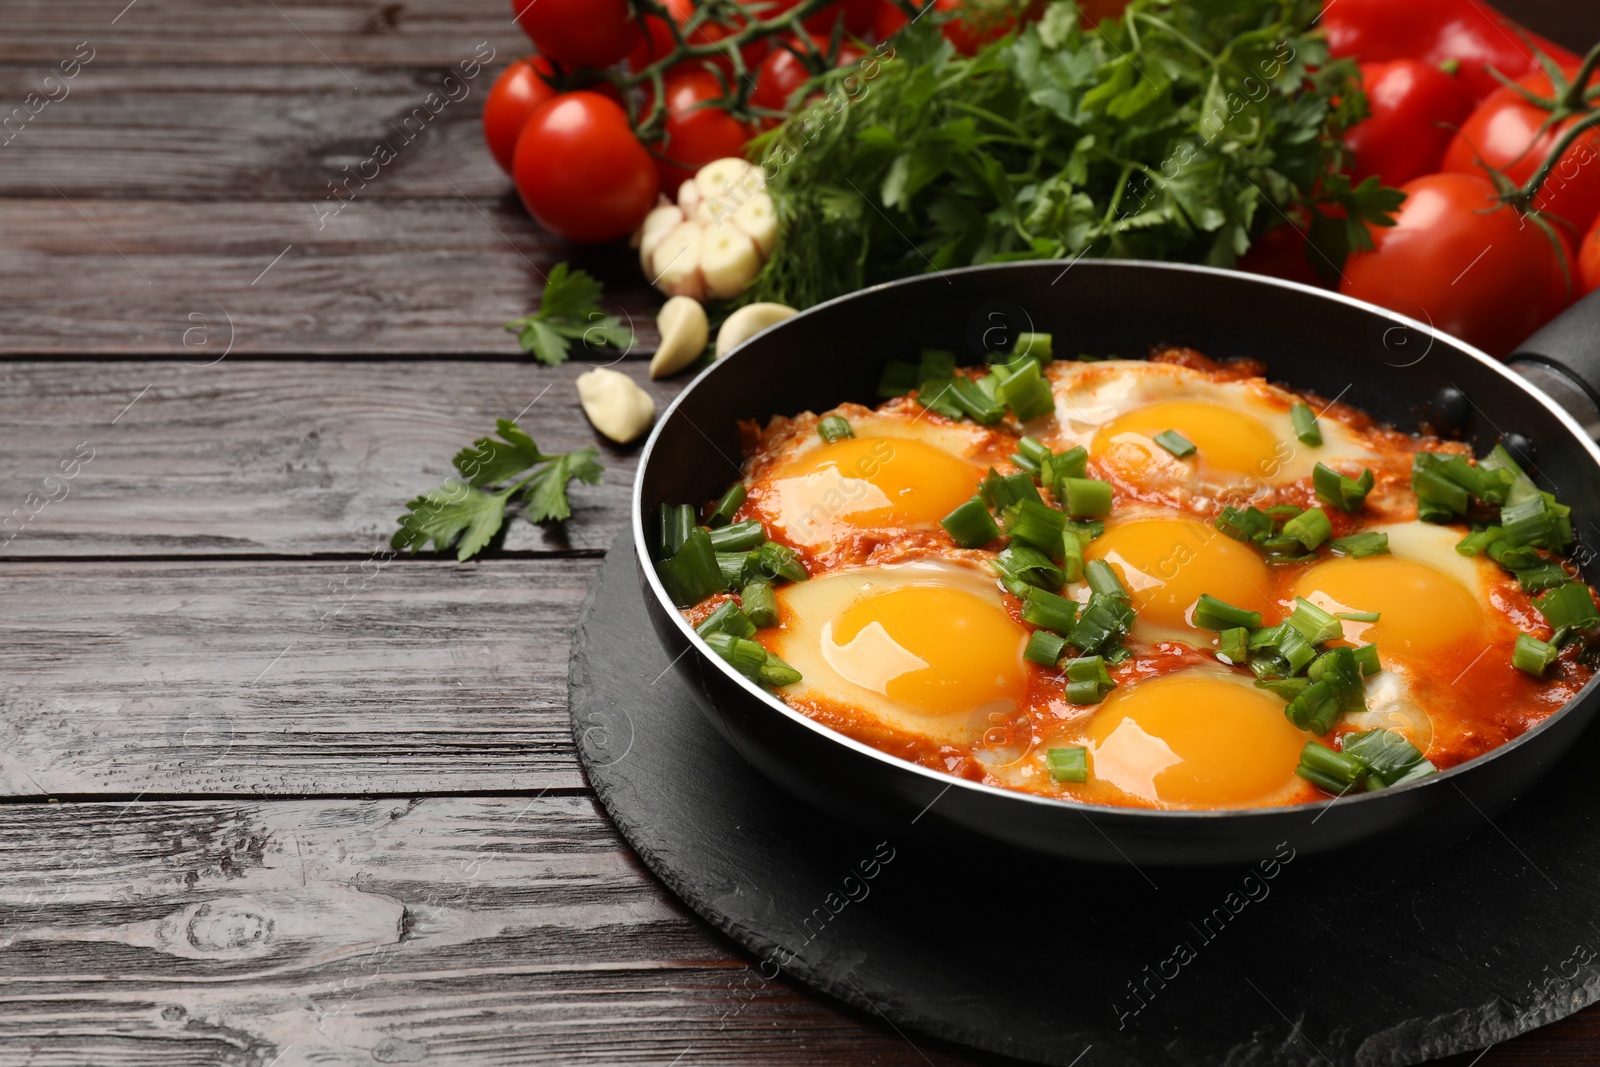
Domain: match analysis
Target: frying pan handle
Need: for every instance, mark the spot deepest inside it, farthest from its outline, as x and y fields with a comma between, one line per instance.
x=1563, y=359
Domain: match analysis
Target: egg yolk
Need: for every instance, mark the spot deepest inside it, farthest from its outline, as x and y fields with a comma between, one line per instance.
x=1225, y=438
x=1195, y=741
x=929, y=649
x=871, y=482
x=1421, y=609
x=1166, y=564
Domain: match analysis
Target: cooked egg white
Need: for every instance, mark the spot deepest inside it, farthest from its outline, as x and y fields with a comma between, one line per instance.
x=926, y=649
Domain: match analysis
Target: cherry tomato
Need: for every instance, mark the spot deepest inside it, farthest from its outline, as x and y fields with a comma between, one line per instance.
x=1436, y=31
x=580, y=33
x=888, y=20
x=1458, y=259
x=783, y=72
x=581, y=171
x=1415, y=111
x=857, y=16
x=976, y=23
x=517, y=93
x=696, y=134
x=659, y=41
x=1507, y=132
x=1281, y=253
x=1589, y=261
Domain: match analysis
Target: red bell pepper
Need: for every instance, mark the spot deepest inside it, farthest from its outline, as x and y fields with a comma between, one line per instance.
x=1414, y=111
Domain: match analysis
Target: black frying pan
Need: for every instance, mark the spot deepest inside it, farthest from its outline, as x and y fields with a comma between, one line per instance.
x=1398, y=370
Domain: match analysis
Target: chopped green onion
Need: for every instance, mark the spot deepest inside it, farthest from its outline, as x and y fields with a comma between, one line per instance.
x=1213, y=614
x=835, y=428
x=1073, y=463
x=1358, y=616
x=1367, y=659
x=1341, y=769
x=1436, y=494
x=1385, y=754
x=1104, y=580
x=1068, y=764
x=740, y=537
x=1316, y=709
x=1542, y=576
x=1314, y=624
x=1340, y=491
x=1420, y=770
x=1362, y=545
x=776, y=673
x=1479, y=541
x=1280, y=651
x=1173, y=441
x=1568, y=605
x=1513, y=557
x=976, y=402
x=1032, y=523
x=1086, y=498
x=1088, y=681
x=1087, y=529
x=1034, y=450
x=1048, y=610
x=1245, y=524
x=1072, y=554
x=1025, y=390
x=1000, y=491
x=1533, y=655
x=1028, y=565
x=936, y=363
x=727, y=619
x=1342, y=671
x=971, y=525
x=1522, y=487
x=760, y=604
x=1305, y=424
x=676, y=522
x=736, y=568
x=1233, y=646
x=1287, y=688
x=692, y=573
x=1310, y=528
x=1039, y=347
x=1102, y=624
x=938, y=395
x=774, y=561
x=726, y=507
x=898, y=379
x=1538, y=521
x=747, y=657
x=1045, y=647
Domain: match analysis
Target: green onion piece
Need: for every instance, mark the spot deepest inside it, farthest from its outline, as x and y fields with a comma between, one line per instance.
x=1068, y=764
x=1362, y=545
x=760, y=604
x=835, y=428
x=1367, y=659
x=1072, y=554
x=676, y=522
x=971, y=525
x=1039, y=347
x=775, y=672
x=736, y=568
x=1102, y=624
x=976, y=402
x=1283, y=512
x=1436, y=494
x=692, y=573
x=1000, y=491
x=1032, y=523
x=1385, y=753
x=1542, y=576
x=1314, y=624
x=1538, y=521
x=1245, y=524
x=747, y=657
x=726, y=508
x=1213, y=614
x=1030, y=566
x=1568, y=605
x=1024, y=390
x=1025, y=462
x=938, y=395
x=1522, y=487
x=1032, y=455
x=1048, y=610
x=1488, y=484
x=727, y=619
x=1310, y=528
x=1340, y=669
x=1479, y=541
x=1073, y=463
x=1174, y=442
x=1417, y=771
x=1087, y=529
x=1045, y=647
x=740, y=537
x=1343, y=769
x=1533, y=655
x=774, y=561
x=899, y=378
x=1316, y=709
x=1115, y=654
x=1233, y=646
x=1287, y=688
x=936, y=363
x=1280, y=651
x=1086, y=498
x=1513, y=557
x=1090, y=673
x=1358, y=616
x=1104, y=580
x=1305, y=424
x=1340, y=491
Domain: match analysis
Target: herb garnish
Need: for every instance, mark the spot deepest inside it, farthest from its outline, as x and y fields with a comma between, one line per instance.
x=568, y=311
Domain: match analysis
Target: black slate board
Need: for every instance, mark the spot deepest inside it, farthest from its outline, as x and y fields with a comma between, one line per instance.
x=1350, y=959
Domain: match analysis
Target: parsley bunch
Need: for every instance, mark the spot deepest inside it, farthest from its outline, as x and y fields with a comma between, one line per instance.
x=1181, y=131
x=473, y=506
x=569, y=310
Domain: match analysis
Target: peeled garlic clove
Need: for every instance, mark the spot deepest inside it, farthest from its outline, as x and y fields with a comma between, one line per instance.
x=728, y=261
x=724, y=179
x=711, y=213
x=684, y=331
x=656, y=226
x=758, y=218
x=747, y=322
x=617, y=407
x=688, y=196
x=675, y=265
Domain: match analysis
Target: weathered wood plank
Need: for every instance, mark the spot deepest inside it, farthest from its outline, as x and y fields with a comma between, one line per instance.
x=173, y=33
x=275, y=457
x=436, y=277
x=287, y=678
x=487, y=931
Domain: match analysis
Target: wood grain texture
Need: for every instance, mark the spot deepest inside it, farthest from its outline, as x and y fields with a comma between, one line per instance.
x=285, y=458
x=287, y=678
x=424, y=277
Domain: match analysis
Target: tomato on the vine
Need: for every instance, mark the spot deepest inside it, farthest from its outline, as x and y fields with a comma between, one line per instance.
x=659, y=40
x=975, y=23
x=857, y=15
x=516, y=94
x=1415, y=109
x=579, y=33
x=697, y=130
x=1459, y=259
x=784, y=71
x=1589, y=261
x=1281, y=253
x=582, y=172
x=1508, y=133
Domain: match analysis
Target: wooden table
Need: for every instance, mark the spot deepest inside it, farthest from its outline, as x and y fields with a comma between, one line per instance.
x=273, y=797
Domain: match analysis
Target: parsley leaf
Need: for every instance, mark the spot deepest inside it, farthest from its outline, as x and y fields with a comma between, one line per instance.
x=474, y=509
x=568, y=311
